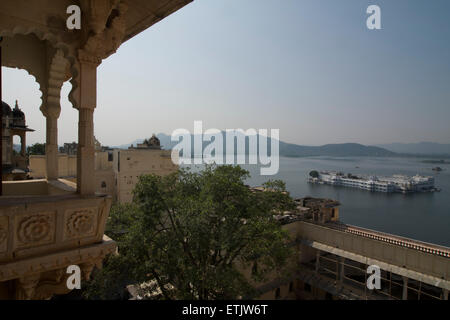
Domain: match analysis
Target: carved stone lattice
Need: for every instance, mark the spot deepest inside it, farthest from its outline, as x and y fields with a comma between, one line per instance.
x=36, y=229
x=81, y=223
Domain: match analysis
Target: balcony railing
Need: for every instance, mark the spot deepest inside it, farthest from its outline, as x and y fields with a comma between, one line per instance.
x=46, y=226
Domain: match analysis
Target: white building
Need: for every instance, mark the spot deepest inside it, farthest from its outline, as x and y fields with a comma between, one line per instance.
x=396, y=183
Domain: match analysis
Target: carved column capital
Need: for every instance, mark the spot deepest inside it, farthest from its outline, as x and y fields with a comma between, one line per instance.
x=86, y=57
x=26, y=286
x=98, y=12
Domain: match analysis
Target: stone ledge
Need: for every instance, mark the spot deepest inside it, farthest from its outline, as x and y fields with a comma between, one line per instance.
x=45, y=263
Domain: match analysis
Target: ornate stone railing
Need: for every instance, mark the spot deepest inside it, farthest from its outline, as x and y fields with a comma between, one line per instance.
x=41, y=235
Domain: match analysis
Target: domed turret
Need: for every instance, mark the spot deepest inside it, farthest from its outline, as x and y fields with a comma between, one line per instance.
x=6, y=109
x=17, y=113
x=154, y=142
x=18, y=116
x=14, y=165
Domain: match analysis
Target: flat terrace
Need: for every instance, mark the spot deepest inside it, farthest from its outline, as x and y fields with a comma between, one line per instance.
x=392, y=239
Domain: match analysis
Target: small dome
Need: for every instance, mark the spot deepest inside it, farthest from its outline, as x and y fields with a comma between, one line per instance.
x=6, y=109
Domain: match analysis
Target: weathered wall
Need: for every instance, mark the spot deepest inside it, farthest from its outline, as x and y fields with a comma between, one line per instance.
x=130, y=164
x=67, y=166
x=113, y=176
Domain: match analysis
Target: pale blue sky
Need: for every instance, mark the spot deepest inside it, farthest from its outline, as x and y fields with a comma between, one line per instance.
x=308, y=67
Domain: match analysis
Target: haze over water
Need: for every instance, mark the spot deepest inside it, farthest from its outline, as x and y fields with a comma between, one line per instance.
x=421, y=216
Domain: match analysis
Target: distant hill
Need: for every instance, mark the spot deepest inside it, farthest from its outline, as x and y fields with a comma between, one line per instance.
x=293, y=150
x=421, y=148
x=336, y=150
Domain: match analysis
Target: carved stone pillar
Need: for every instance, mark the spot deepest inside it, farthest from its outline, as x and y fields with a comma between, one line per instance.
x=52, y=110
x=87, y=99
x=23, y=145
x=51, y=147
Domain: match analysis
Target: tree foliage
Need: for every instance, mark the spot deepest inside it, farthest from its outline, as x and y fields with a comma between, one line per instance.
x=314, y=174
x=194, y=232
x=36, y=149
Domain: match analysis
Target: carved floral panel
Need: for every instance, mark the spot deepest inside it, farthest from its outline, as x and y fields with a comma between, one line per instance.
x=35, y=229
x=80, y=223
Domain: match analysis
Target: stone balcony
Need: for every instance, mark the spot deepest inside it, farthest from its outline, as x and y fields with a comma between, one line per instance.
x=43, y=231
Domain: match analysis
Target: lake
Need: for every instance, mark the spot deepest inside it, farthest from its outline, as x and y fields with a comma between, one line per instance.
x=421, y=216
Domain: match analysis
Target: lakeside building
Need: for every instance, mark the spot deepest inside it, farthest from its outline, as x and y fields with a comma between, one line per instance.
x=116, y=171
x=396, y=183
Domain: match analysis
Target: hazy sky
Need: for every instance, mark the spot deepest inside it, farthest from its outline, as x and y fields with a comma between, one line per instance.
x=308, y=67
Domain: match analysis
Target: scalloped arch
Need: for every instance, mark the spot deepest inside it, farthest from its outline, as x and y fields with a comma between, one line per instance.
x=22, y=67
x=57, y=43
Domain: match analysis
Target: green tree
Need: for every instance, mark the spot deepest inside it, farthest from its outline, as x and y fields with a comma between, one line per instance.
x=314, y=174
x=36, y=149
x=194, y=232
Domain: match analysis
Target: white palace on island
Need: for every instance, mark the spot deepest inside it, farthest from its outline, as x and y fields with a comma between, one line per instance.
x=396, y=183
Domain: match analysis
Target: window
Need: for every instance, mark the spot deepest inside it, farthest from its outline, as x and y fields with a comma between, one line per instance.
x=307, y=287
x=103, y=184
x=110, y=156
x=291, y=286
x=277, y=293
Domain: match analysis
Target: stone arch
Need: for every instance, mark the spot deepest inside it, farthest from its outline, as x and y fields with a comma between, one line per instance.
x=22, y=141
x=62, y=50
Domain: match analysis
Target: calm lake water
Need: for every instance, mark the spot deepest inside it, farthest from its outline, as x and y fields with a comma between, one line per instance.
x=421, y=216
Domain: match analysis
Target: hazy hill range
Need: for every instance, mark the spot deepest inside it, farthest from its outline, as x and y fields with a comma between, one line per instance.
x=293, y=150
x=421, y=148
x=336, y=150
